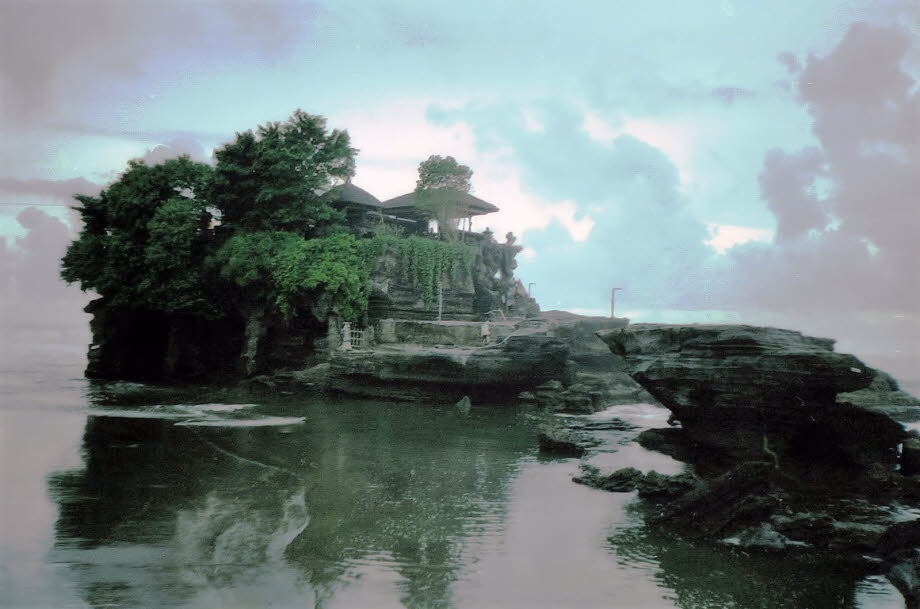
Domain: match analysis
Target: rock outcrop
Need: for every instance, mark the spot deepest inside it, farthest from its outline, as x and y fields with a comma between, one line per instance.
x=598, y=378
x=760, y=393
x=414, y=371
x=792, y=445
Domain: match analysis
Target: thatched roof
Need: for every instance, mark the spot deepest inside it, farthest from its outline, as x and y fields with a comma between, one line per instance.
x=475, y=205
x=349, y=193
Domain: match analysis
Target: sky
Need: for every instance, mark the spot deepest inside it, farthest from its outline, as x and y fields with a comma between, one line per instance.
x=718, y=160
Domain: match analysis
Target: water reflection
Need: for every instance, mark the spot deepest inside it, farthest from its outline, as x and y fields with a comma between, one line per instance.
x=382, y=505
x=178, y=515
x=702, y=576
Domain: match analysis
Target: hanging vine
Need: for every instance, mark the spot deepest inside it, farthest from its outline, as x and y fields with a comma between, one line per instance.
x=422, y=262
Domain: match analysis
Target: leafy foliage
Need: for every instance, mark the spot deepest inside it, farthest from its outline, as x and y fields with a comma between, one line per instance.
x=144, y=238
x=291, y=272
x=443, y=172
x=440, y=188
x=280, y=177
x=423, y=262
x=326, y=271
x=281, y=247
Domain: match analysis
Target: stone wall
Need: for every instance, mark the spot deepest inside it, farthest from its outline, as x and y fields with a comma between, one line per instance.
x=453, y=333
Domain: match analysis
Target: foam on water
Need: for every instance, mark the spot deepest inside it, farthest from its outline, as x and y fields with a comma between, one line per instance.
x=260, y=422
x=201, y=415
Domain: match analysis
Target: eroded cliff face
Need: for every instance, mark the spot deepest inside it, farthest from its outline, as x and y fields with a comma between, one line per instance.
x=755, y=392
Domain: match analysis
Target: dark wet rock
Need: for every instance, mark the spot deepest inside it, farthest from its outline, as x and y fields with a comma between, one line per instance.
x=622, y=480
x=760, y=393
x=899, y=546
x=883, y=395
x=762, y=537
x=554, y=396
x=899, y=539
x=744, y=496
x=613, y=424
x=561, y=442
x=578, y=332
x=586, y=394
x=659, y=487
x=464, y=404
x=855, y=536
x=676, y=443
x=406, y=371
x=817, y=529
x=910, y=457
x=821, y=530
x=905, y=576
x=793, y=445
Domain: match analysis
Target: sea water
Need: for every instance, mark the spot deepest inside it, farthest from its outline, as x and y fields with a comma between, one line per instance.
x=292, y=501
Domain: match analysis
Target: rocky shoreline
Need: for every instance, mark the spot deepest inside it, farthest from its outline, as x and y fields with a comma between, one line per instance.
x=789, y=446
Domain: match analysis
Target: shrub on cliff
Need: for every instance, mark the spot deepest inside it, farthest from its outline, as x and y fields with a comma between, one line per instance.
x=291, y=273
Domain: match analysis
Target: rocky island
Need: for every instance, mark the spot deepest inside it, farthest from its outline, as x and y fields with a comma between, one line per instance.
x=267, y=275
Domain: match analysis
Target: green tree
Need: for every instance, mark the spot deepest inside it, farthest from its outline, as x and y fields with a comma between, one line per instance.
x=280, y=177
x=440, y=190
x=144, y=239
x=291, y=273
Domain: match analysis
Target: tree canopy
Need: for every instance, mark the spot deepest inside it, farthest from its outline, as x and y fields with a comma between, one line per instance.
x=443, y=172
x=148, y=240
x=438, y=192
x=279, y=178
x=144, y=238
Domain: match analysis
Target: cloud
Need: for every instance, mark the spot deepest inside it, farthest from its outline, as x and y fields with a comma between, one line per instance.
x=54, y=191
x=616, y=215
x=854, y=245
x=56, y=54
x=36, y=304
x=174, y=148
x=723, y=237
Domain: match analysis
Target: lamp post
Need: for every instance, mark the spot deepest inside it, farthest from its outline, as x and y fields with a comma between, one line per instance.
x=613, y=296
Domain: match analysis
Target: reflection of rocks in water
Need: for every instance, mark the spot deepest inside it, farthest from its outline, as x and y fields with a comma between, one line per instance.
x=228, y=543
x=409, y=498
x=165, y=515
x=168, y=515
x=700, y=575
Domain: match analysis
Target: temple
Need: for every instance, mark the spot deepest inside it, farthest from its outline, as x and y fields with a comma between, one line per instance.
x=363, y=210
x=489, y=290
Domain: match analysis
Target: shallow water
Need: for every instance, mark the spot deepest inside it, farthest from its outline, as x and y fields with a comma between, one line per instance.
x=296, y=502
